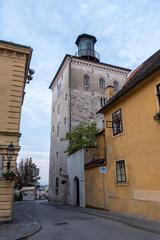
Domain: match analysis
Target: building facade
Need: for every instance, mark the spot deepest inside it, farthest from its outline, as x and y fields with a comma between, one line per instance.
x=78, y=91
x=14, y=73
x=132, y=136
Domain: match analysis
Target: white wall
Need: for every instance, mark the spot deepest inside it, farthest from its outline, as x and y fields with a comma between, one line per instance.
x=75, y=164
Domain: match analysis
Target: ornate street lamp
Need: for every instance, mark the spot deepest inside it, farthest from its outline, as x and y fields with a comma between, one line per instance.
x=10, y=152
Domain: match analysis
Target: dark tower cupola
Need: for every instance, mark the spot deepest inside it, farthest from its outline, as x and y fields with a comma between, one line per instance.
x=85, y=44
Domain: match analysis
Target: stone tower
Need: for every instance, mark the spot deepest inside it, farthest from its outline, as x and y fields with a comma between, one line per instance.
x=78, y=92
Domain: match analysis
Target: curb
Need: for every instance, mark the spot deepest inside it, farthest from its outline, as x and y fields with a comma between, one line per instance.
x=22, y=236
x=112, y=218
x=36, y=228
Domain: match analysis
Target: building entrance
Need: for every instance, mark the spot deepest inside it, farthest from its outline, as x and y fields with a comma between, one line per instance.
x=76, y=192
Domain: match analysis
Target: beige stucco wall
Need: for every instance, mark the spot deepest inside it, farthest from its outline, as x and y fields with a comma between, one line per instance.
x=13, y=65
x=95, y=193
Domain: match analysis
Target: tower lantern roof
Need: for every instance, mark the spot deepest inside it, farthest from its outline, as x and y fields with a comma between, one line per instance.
x=84, y=35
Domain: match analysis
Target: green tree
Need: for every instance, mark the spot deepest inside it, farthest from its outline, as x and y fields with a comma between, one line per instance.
x=25, y=174
x=83, y=135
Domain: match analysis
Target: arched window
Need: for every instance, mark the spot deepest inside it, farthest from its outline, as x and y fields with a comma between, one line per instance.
x=86, y=81
x=101, y=83
x=116, y=86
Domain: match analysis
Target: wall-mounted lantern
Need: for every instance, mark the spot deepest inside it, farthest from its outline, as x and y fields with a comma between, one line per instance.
x=63, y=175
x=10, y=153
x=29, y=76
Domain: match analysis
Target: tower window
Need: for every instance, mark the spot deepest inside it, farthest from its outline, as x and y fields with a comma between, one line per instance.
x=58, y=109
x=57, y=186
x=158, y=92
x=101, y=83
x=88, y=45
x=57, y=131
x=102, y=101
x=86, y=81
x=66, y=96
x=65, y=120
x=116, y=86
x=58, y=89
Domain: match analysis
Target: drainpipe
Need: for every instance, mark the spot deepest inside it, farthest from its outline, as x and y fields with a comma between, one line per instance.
x=69, y=86
x=70, y=93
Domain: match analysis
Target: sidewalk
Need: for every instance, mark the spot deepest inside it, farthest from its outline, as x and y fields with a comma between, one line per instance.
x=21, y=226
x=139, y=223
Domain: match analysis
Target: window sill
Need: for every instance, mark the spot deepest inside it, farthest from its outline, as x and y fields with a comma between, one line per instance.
x=122, y=183
x=118, y=135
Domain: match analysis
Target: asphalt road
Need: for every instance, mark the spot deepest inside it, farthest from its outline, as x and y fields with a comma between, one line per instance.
x=64, y=224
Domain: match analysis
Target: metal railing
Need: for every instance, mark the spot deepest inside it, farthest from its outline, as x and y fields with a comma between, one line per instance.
x=87, y=53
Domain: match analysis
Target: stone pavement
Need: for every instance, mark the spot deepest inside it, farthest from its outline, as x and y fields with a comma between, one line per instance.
x=21, y=226
x=139, y=223
x=24, y=223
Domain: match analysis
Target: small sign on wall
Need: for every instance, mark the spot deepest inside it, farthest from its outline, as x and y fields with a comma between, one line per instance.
x=102, y=170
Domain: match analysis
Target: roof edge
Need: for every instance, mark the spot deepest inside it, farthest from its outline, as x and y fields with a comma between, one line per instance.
x=15, y=44
x=136, y=80
x=64, y=59
x=100, y=63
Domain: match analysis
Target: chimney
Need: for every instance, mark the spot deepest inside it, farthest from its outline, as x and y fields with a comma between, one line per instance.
x=109, y=91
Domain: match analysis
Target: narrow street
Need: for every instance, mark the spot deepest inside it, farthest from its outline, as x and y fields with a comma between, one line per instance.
x=58, y=223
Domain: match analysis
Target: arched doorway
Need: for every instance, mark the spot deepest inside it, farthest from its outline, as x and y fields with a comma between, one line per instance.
x=76, y=192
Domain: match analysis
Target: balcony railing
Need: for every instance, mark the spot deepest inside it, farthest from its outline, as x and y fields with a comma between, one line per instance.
x=88, y=53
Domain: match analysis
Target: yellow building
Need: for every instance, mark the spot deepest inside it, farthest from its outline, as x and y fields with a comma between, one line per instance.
x=14, y=73
x=132, y=133
x=94, y=180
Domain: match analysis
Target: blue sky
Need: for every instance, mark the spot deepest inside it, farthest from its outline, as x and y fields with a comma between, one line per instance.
x=127, y=33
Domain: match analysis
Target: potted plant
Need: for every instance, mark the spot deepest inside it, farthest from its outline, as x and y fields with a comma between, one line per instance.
x=9, y=175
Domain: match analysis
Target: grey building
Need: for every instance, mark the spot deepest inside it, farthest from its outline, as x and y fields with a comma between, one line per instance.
x=78, y=91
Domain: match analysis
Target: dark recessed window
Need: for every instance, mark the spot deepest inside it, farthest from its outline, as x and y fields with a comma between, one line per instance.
x=101, y=83
x=117, y=125
x=86, y=81
x=57, y=131
x=53, y=128
x=120, y=171
x=66, y=96
x=102, y=101
x=58, y=89
x=158, y=92
x=65, y=120
x=58, y=109
x=57, y=186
